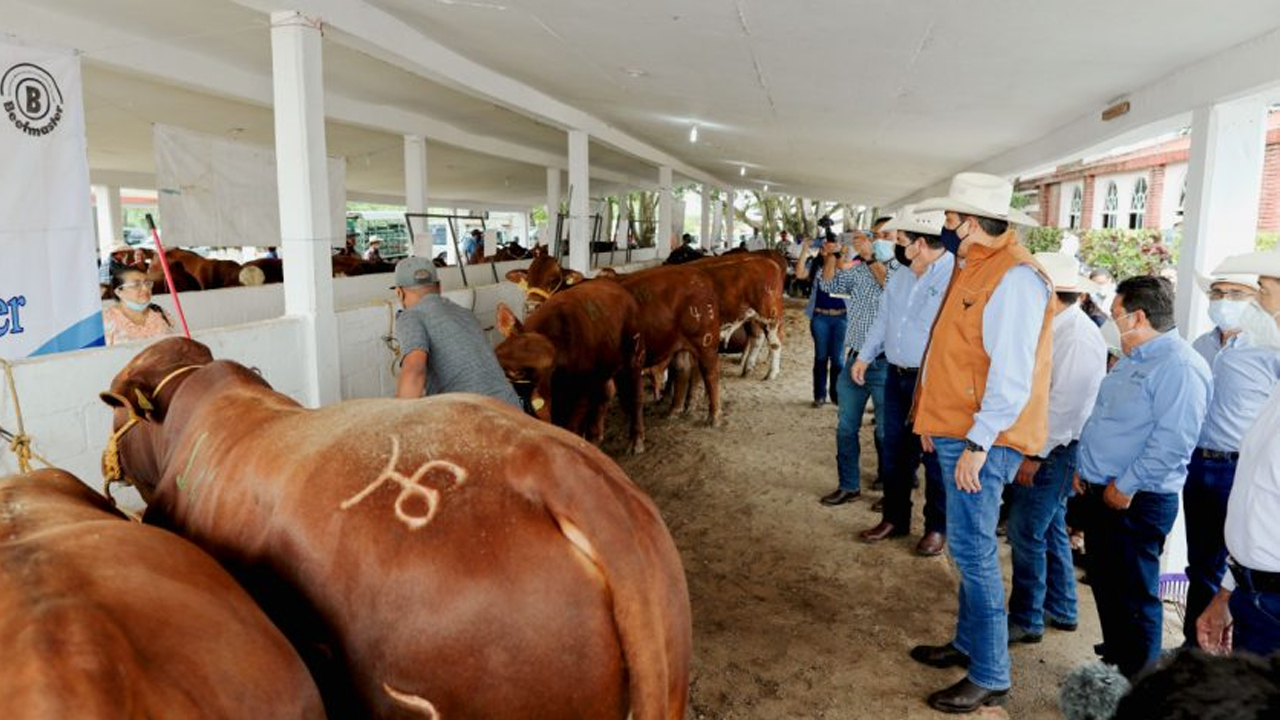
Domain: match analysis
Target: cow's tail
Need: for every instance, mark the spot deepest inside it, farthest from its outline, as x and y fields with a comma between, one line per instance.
x=619, y=529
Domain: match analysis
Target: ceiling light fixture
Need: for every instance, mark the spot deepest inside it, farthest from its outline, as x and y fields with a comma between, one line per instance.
x=693, y=134
x=635, y=72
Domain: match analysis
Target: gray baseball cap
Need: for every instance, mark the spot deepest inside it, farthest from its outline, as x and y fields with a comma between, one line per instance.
x=414, y=271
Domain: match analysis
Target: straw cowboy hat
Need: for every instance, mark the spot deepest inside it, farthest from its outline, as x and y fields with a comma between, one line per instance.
x=913, y=221
x=1206, y=282
x=1064, y=271
x=1255, y=264
x=980, y=195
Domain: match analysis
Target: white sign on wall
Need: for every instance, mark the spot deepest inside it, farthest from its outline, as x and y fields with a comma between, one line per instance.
x=215, y=192
x=49, y=294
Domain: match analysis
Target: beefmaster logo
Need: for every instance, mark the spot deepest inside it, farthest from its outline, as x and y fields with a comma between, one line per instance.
x=31, y=99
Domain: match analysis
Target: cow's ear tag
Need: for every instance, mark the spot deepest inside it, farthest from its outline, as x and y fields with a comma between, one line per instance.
x=143, y=402
x=538, y=403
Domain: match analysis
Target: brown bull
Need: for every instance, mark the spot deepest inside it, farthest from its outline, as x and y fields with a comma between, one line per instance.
x=750, y=290
x=102, y=618
x=447, y=557
x=568, y=353
x=543, y=278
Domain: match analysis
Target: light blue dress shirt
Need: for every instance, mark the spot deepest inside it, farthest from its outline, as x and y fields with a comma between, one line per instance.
x=1011, y=324
x=1243, y=378
x=1147, y=419
x=908, y=308
x=1208, y=345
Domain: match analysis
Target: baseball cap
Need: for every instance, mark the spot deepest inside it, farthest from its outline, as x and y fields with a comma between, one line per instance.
x=415, y=271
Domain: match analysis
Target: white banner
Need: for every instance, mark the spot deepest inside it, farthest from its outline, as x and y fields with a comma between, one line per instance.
x=219, y=193
x=49, y=295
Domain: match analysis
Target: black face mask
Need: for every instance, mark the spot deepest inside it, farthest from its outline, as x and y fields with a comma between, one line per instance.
x=900, y=253
x=950, y=240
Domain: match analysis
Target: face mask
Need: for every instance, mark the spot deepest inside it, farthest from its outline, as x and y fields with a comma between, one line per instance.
x=900, y=254
x=135, y=306
x=1226, y=314
x=950, y=240
x=883, y=249
x=1259, y=328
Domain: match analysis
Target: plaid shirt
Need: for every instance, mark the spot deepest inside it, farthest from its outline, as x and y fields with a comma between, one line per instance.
x=864, y=299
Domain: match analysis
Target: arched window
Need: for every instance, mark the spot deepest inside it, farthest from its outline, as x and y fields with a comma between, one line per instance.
x=1138, y=206
x=1077, y=207
x=1111, y=207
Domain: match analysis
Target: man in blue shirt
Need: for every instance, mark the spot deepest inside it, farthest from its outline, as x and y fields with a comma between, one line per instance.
x=908, y=308
x=1133, y=461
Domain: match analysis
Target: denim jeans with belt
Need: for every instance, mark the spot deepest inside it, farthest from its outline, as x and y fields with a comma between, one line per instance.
x=1044, y=577
x=828, y=352
x=853, y=401
x=982, y=626
x=1124, y=573
x=1204, y=498
x=902, y=457
x=1255, y=620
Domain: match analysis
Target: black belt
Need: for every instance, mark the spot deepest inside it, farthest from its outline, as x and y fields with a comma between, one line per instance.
x=904, y=370
x=833, y=312
x=1207, y=454
x=1255, y=580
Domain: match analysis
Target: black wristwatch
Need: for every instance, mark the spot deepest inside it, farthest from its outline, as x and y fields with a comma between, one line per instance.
x=972, y=446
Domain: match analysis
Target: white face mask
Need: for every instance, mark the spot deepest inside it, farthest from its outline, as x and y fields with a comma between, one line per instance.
x=1259, y=328
x=1226, y=314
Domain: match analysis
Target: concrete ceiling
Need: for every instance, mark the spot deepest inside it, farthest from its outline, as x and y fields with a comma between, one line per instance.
x=852, y=100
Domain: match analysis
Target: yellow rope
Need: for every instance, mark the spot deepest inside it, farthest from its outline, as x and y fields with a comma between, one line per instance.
x=20, y=442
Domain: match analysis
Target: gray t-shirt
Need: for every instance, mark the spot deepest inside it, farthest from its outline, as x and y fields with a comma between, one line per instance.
x=459, y=357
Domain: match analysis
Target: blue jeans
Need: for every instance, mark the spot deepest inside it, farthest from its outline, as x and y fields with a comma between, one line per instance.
x=1204, y=498
x=982, y=626
x=853, y=401
x=828, y=352
x=1255, y=622
x=1044, y=577
x=902, y=458
x=1124, y=573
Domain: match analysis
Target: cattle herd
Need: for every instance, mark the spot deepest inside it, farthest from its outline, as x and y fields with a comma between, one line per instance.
x=192, y=271
x=448, y=557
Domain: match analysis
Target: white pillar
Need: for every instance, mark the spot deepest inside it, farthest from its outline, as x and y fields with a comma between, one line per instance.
x=664, y=236
x=110, y=217
x=415, y=192
x=704, y=229
x=553, y=204
x=729, y=235
x=716, y=210
x=1224, y=185
x=302, y=175
x=579, y=202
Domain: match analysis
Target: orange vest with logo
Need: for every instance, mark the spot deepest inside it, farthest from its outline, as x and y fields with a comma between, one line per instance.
x=954, y=377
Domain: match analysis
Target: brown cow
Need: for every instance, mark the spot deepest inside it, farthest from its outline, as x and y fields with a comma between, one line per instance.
x=213, y=274
x=749, y=288
x=102, y=618
x=447, y=557
x=543, y=278
x=570, y=350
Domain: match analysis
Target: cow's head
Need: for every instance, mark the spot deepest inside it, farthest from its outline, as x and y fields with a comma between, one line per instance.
x=543, y=279
x=139, y=396
x=528, y=359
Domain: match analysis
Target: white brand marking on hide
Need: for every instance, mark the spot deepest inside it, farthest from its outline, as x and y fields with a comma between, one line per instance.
x=409, y=487
x=413, y=702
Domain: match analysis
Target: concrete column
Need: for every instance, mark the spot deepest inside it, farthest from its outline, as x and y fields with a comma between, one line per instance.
x=110, y=217
x=579, y=202
x=704, y=231
x=553, y=204
x=1224, y=184
x=415, y=192
x=664, y=236
x=729, y=221
x=302, y=175
x=716, y=209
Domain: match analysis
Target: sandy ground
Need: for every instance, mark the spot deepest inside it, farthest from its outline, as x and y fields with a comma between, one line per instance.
x=792, y=615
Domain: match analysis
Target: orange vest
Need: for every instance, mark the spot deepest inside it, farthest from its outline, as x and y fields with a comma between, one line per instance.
x=954, y=377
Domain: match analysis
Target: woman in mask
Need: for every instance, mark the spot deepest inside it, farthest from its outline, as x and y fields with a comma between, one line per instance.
x=134, y=316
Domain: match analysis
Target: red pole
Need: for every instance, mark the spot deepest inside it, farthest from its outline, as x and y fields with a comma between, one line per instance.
x=168, y=276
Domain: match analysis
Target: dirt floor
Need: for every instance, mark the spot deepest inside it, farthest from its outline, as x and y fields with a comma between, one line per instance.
x=792, y=615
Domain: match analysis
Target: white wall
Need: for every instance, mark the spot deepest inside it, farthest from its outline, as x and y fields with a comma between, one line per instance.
x=1174, y=176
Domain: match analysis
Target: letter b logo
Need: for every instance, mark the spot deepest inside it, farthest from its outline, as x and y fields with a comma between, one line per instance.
x=34, y=101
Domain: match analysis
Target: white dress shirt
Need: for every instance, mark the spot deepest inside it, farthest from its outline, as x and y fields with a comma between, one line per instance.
x=1252, y=530
x=1079, y=364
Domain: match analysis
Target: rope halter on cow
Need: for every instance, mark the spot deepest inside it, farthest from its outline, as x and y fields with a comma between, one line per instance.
x=543, y=295
x=19, y=441
x=112, y=471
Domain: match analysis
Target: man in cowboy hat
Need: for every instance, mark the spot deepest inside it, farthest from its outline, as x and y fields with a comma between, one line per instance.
x=1250, y=594
x=1229, y=294
x=1044, y=580
x=907, y=310
x=983, y=404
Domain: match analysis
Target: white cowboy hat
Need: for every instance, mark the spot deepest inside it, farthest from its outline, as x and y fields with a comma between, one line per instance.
x=980, y=195
x=1264, y=263
x=1064, y=271
x=1206, y=282
x=913, y=221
